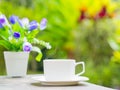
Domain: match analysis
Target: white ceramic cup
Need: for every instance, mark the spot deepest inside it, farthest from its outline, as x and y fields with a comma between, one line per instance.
x=61, y=69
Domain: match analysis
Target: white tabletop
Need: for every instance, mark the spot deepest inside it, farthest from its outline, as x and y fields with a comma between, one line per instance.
x=26, y=83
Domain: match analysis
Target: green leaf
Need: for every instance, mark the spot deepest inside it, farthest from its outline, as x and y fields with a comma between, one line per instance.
x=5, y=44
x=4, y=34
x=39, y=56
x=33, y=33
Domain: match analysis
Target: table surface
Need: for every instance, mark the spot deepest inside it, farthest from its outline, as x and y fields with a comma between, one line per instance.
x=27, y=83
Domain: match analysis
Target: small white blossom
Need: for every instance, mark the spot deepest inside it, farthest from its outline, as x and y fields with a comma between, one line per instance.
x=48, y=46
x=36, y=41
x=10, y=38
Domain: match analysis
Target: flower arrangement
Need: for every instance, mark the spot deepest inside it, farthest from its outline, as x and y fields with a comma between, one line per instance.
x=20, y=34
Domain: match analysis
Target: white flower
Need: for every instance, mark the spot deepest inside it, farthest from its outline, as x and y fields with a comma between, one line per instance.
x=48, y=46
x=43, y=24
x=25, y=22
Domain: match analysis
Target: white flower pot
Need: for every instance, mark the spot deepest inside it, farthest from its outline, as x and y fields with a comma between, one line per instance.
x=16, y=63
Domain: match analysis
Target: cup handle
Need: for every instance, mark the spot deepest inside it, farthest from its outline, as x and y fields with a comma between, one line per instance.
x=83, y=69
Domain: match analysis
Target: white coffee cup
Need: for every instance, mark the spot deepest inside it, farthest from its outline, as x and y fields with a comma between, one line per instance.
x=61, y=69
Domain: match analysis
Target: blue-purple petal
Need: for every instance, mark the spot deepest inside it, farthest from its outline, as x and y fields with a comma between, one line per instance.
x=16, y=35
x=2, y=20
x=20, y=23
x=33, y=22
x=1, y=25
x=33, y=25
x=27, y=47
x=13, y=19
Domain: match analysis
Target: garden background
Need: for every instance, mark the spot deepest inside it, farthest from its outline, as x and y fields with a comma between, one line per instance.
x=85, y=30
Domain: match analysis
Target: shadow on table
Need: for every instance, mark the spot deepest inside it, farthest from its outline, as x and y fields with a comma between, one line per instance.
x=38, y=84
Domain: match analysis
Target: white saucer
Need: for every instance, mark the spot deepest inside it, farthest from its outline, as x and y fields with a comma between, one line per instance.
x=68, y=82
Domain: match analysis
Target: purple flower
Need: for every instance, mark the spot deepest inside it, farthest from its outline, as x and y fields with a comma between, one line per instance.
x=43, y=23
x=27, y=47
x=13, y=19
x=16, y=35
x=3, y=20
x=33, y=25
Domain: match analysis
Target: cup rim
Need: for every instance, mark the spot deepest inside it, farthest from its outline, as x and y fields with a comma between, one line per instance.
x=59, y=60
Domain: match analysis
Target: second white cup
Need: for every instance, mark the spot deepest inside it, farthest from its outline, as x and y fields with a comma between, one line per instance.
x=61, y=69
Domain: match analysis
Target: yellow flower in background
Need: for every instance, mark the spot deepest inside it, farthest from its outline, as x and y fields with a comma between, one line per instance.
x=96, y=9
x=116, y=54
x=116, y=57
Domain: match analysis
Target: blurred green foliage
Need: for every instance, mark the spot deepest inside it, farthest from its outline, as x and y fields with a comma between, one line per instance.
x=79, y=29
